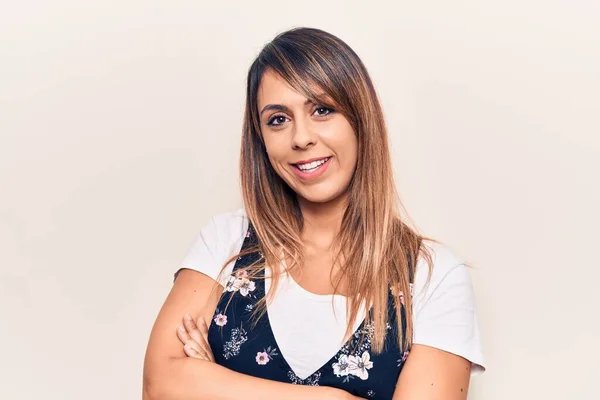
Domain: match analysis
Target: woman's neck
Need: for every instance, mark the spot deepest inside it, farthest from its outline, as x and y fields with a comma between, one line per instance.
x=322, y=221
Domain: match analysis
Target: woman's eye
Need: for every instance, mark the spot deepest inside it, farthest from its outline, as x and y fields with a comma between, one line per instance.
x=323, y=111
x=276, y=120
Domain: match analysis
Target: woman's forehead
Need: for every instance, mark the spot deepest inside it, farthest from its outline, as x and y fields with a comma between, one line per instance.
x=274, y=89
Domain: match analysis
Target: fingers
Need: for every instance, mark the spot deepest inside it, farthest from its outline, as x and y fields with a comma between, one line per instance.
x=196, y=337
x=192, y=353
x=192, y=348
x=204, y=333
x=203, y=328
x=182, y=334
x=192, y=328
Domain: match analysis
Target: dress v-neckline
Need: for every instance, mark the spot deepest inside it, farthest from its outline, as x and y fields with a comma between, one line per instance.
x=282, y=359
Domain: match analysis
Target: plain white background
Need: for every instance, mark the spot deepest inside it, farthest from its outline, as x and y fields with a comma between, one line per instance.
x=119, y=137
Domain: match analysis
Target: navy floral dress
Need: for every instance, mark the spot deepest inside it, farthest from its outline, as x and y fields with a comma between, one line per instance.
x=240, y=346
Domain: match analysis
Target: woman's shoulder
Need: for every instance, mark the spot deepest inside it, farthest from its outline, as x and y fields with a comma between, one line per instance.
x=227, y=226
x=230, y=217
x=445, y=313
x=222, y=234
x=444, y=269
x=217, y=240
x=443, y=257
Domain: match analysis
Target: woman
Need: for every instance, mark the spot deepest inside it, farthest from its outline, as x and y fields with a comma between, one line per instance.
x=317, y=288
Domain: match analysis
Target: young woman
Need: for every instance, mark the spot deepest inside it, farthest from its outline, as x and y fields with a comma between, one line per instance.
x=317, y=288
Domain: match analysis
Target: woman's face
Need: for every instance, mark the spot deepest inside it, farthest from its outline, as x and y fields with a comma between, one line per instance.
x=311, y=147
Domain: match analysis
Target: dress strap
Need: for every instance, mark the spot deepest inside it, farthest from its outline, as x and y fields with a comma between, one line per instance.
x=250, y=241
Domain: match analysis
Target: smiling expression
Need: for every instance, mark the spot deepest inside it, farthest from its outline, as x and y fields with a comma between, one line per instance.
x=312, y=147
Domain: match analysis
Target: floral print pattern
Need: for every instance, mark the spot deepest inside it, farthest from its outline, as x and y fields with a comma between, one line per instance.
x=353, y=365
x=312, y=380
x=263, y=357
x=354, y=358
x=239, y=282
x=355, y=368
x=246, y=287
x=232, y=347
x=358, y=366
x=221, y=319
x=342, y=366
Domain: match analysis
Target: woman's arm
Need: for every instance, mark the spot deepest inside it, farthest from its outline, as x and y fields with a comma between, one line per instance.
x=170, y=374
x=433, y=374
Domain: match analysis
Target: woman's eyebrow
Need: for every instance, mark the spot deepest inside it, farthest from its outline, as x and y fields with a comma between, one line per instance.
x=280, y=107
x=277, y=107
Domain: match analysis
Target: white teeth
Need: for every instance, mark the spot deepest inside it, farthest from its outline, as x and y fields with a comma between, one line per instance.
x=312, y=165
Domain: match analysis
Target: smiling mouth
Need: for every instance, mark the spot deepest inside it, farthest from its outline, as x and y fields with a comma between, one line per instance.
x=311, y=166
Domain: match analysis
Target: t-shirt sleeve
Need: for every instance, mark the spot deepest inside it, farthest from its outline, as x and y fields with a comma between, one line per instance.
x=444, y=312
x=218, y=240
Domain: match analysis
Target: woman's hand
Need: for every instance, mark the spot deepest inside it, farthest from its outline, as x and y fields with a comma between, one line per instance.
x=194, y=337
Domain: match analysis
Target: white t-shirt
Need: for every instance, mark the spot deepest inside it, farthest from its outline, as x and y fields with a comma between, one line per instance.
x=309, y=328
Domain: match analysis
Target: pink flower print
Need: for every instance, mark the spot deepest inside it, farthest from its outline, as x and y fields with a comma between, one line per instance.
x=248, y=234
x=246, y=286
x=232, y=284
x=239, y=281
x=241, y=273
x=360, y=365
x=342, y=367
x=220, y=319
x=262, y=358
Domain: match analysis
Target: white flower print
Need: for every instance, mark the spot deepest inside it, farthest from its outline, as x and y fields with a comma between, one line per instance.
x=354, y=345
x=231, y=348
x=312, y=380
x=232, y=284
x=360, y=365
x=341, y=368
x=239, y=282
x=221, y=320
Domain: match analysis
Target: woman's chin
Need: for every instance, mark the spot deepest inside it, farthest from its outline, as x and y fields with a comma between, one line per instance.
x=319, y=197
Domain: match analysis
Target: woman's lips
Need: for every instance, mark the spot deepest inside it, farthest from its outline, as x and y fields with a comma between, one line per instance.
x=312, y=174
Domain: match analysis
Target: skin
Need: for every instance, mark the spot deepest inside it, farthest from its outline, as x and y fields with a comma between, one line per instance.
x=177, y=365
x=170, y=374
x=303, y=131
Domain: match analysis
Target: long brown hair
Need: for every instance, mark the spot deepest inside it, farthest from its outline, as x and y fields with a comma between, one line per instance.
x=377, y=250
